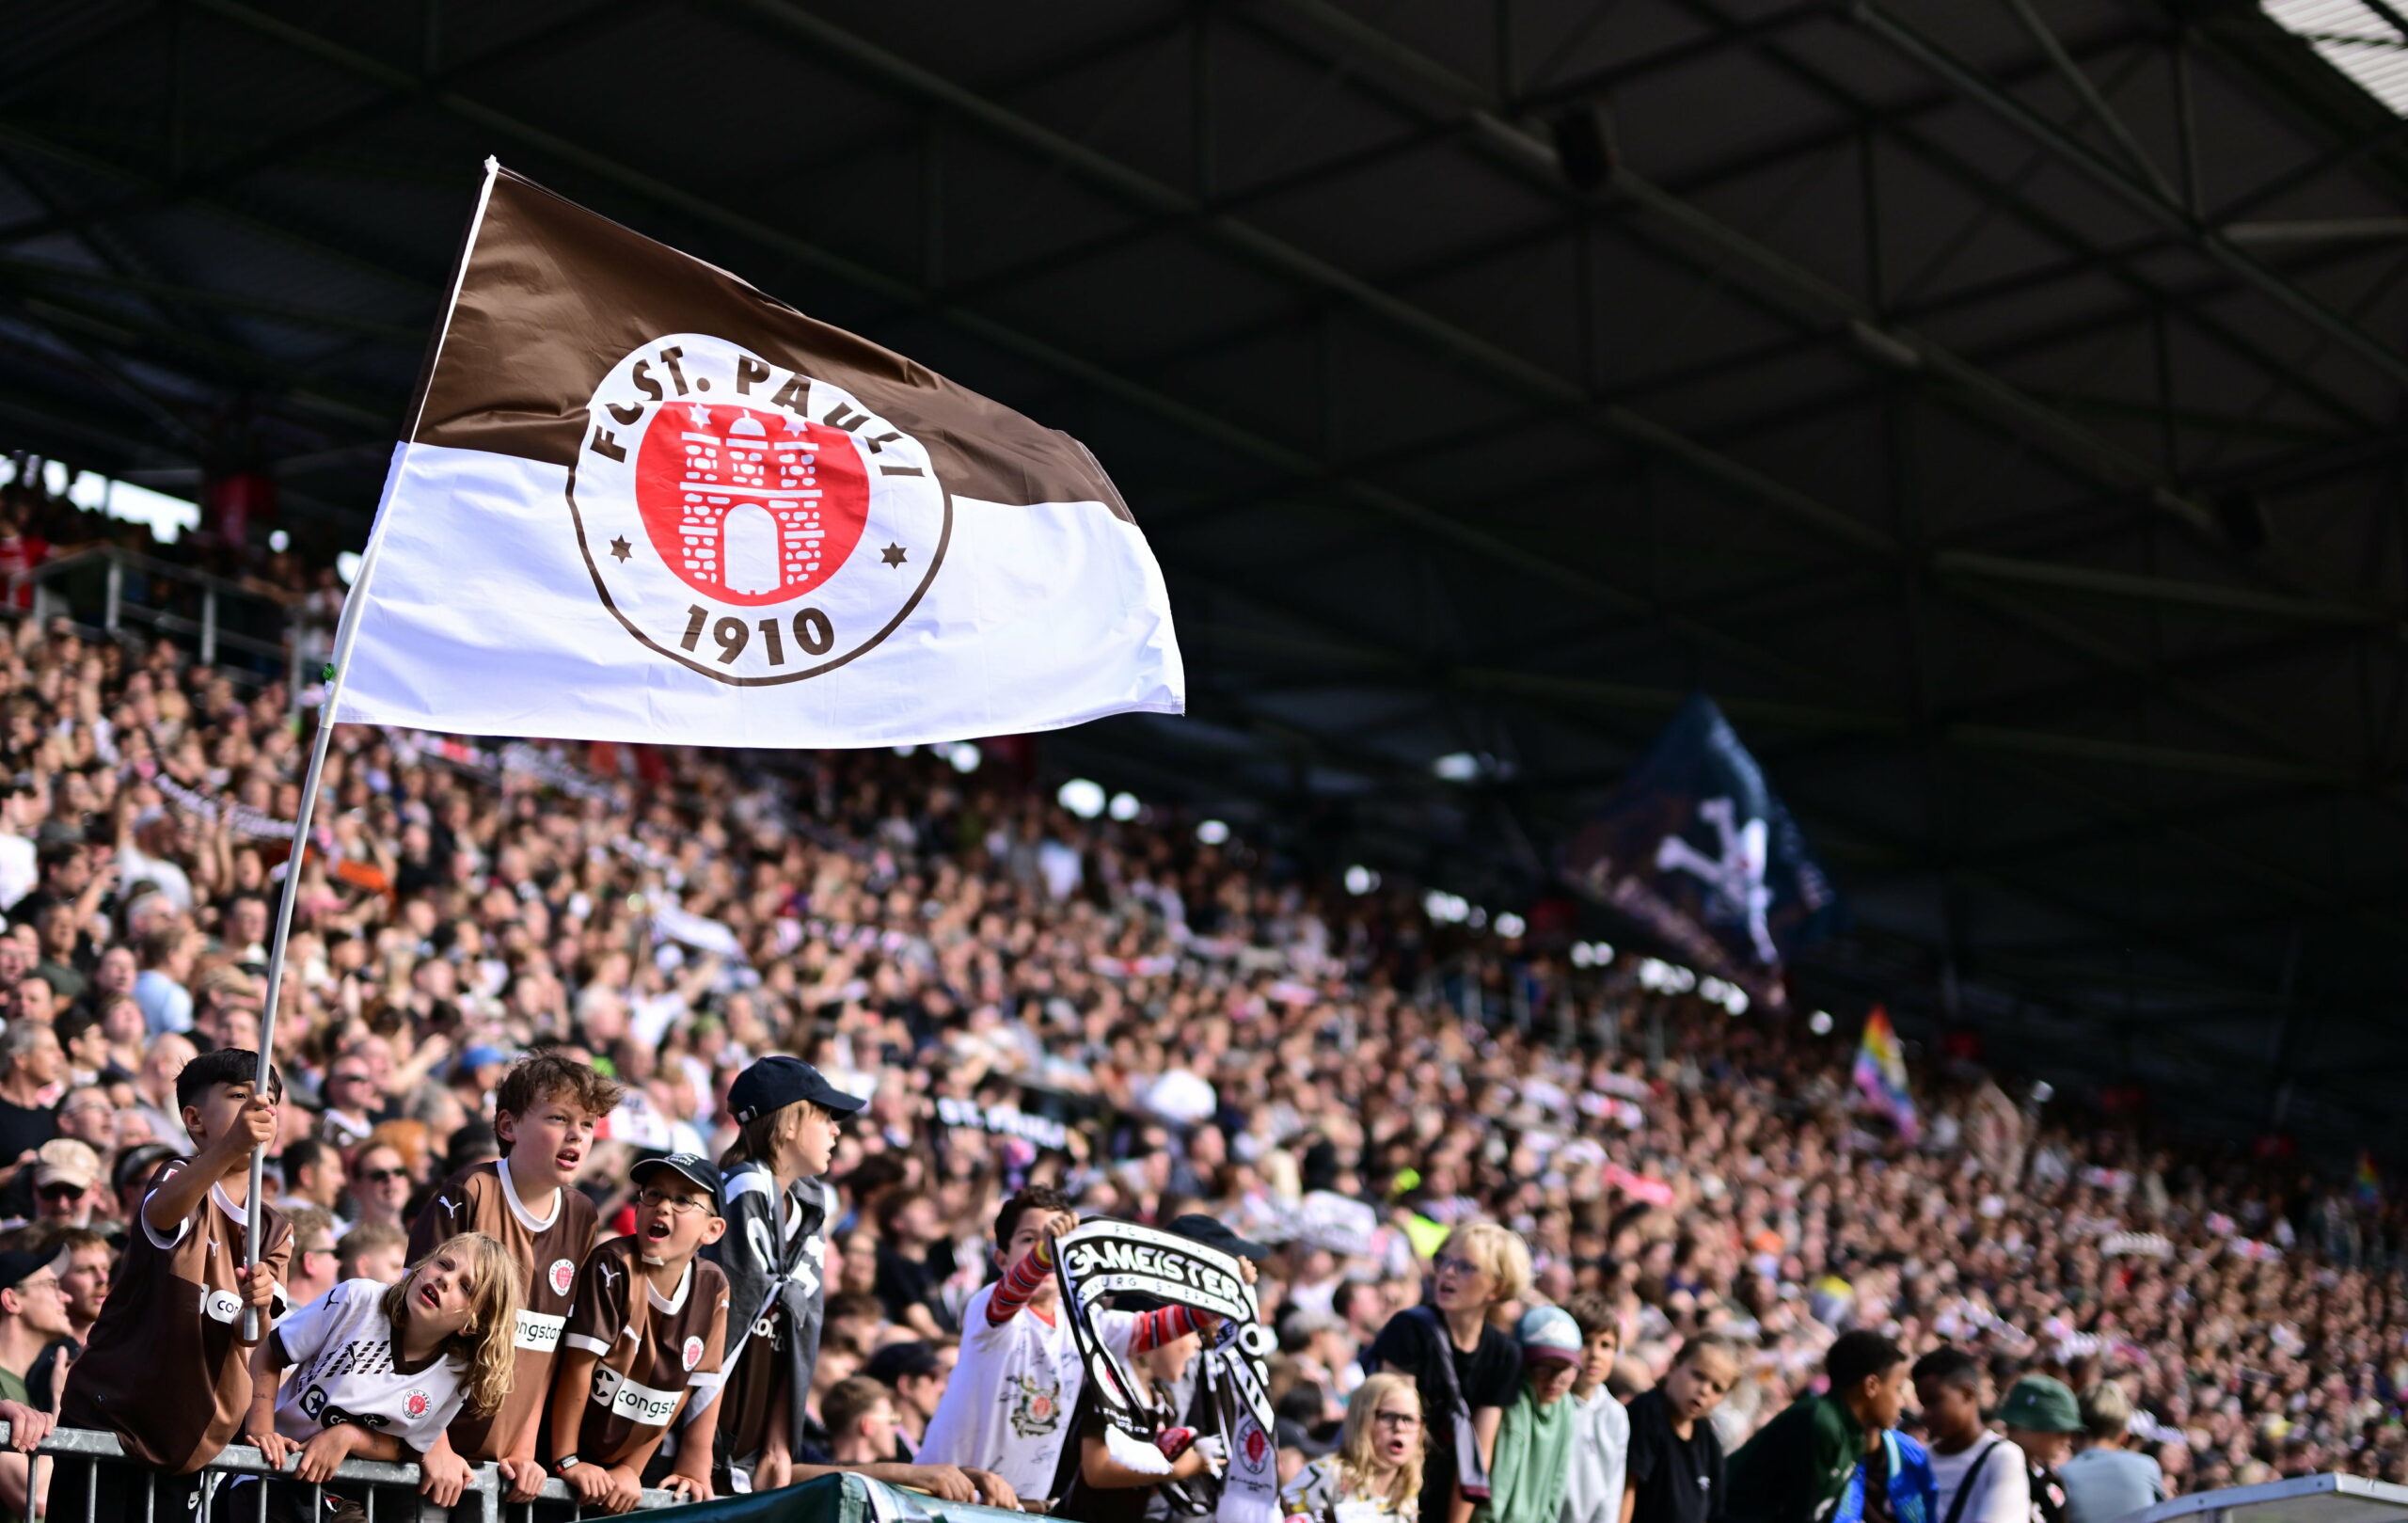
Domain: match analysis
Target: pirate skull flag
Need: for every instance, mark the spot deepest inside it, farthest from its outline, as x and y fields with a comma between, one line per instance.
x=1106, y=1258
x=1696, y=850
x=640, y=500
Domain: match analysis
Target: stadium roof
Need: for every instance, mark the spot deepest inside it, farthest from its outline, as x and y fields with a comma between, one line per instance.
x=1995, y=404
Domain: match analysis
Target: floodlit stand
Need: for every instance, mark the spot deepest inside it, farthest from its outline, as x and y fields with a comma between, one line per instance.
x=2313, y=1498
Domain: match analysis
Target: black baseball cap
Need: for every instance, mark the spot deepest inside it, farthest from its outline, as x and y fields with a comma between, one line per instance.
x=898, y=1361
x=18, y=1265
x=778, y=1081
x=135, y=1164
x=1305, y=1441
x=688, y=1166
x=1214, y=1233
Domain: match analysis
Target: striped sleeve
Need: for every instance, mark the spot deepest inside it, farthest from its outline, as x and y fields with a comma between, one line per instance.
x=1155, y=1328
x=1020, y=1283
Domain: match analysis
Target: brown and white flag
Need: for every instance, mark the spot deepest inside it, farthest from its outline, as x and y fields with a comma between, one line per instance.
x=640, y=500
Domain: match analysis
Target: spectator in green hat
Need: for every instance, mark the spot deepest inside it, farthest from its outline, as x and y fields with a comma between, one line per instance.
x=2041, y=1418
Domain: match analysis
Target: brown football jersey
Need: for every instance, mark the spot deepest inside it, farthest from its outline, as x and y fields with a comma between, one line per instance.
x=169, y=1336
x=546, y=1250
x=653, y=1348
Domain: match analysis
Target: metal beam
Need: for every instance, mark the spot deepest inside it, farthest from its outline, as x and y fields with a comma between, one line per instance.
x=2118, y=586
x=44, y=272
x=2088, y=93
x=1879, y=340
x=296, y=384
x=1865, y=333
x=39, y=140
x=251, y=160
x=1895, y=122
x=1169, y=205
x=2139, y=197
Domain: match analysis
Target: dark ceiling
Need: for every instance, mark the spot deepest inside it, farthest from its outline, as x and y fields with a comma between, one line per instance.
x=1995, y=404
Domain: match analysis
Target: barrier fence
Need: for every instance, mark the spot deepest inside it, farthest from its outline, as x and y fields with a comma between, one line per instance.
x=386, y=1493
x=105, y=589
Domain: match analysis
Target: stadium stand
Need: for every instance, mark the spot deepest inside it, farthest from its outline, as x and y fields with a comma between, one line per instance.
x=1154, y=1024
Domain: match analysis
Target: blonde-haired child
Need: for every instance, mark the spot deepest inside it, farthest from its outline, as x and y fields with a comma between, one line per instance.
x=379, y=1370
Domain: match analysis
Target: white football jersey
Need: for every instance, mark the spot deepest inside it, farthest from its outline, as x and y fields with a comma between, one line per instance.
x=345, y=1369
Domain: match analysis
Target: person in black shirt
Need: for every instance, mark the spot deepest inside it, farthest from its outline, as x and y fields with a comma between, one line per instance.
x=1478, y=1267
x=32, y=1061
x=1675, y=1469
x=910, y=1269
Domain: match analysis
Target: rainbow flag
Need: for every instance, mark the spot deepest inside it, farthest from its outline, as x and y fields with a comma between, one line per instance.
x=1881, y=1074
x=2370, y=1183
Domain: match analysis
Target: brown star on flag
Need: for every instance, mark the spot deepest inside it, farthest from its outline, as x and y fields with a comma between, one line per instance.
x=892, y=555
x=620, y=548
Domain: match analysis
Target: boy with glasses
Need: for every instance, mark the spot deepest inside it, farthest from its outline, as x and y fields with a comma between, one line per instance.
x=646, y=1333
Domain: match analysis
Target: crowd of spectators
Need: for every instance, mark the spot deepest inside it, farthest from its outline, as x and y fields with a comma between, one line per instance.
x=1154, y=1024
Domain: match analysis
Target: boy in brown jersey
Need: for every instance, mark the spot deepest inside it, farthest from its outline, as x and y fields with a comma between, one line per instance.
x=165, y=1368
x=647, y=1334
x=545, y=1112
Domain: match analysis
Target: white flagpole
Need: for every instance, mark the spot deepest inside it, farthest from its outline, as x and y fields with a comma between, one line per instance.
x=346, y=630
x=252, y=1214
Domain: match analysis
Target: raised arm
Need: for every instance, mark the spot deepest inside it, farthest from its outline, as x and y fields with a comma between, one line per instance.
x=1021, y=1282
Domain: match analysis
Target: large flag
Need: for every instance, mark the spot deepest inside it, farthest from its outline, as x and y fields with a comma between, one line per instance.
x=1881, y=1074
x=1695, y=848
x=640, y=500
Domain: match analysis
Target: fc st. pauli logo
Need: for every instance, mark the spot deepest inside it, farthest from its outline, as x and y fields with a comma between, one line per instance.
x=746, y=520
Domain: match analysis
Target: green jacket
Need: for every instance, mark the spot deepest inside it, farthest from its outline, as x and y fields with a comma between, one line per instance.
x=1533, y=1460
x=1796, y=1468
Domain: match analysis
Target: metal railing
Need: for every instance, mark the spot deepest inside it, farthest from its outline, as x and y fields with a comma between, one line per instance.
x=203, y=619
x=396, y=1484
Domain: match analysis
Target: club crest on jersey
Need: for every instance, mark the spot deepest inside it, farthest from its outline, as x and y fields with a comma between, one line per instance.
x=1037, y=1407
x=747, y=521
x=692, y=1352
x=415, y=1403
x=564, y=1275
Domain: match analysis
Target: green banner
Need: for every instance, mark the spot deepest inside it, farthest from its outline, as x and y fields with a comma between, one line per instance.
x=833, y=1499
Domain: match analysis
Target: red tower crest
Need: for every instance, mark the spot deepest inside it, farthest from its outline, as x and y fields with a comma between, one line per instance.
x=746, y=506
